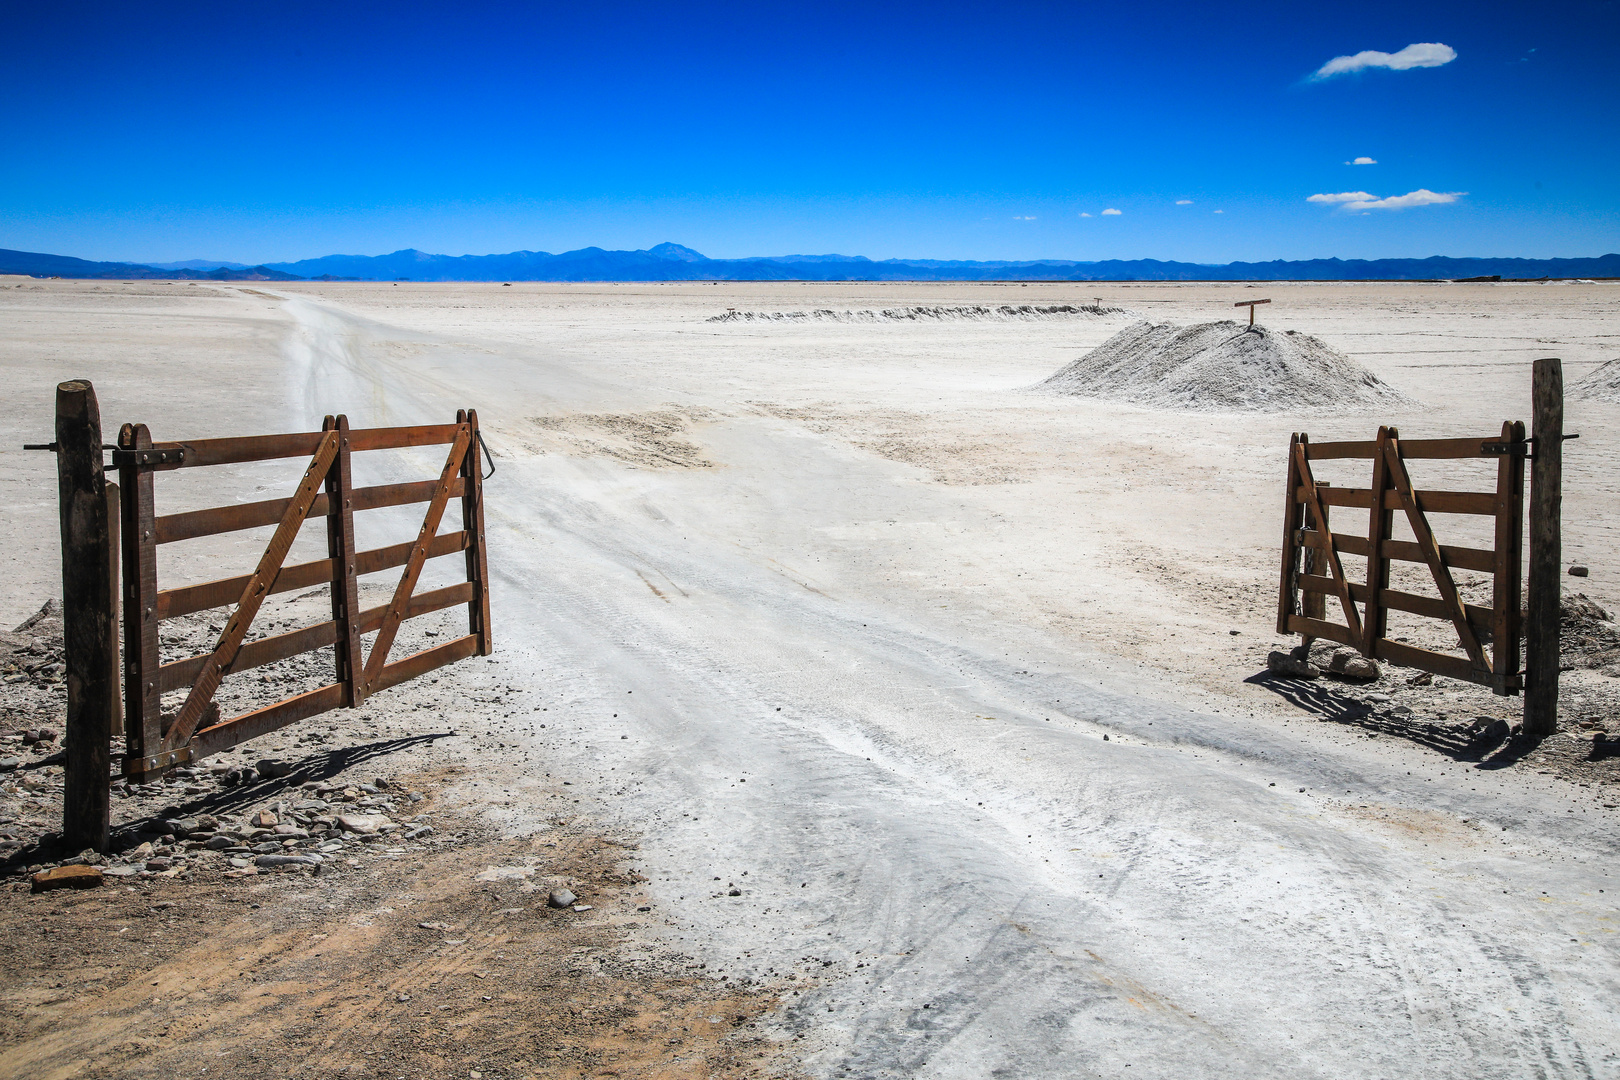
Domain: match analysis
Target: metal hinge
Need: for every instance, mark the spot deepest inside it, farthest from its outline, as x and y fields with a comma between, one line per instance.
x=134, y=766
x=148, y=457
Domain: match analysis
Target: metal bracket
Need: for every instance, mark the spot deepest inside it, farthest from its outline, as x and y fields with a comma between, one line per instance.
x=487, y=455
x=156, y=762
x=149, y=457
x=1506, y=449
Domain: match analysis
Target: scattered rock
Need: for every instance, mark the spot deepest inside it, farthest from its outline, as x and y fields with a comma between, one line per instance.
x=362, y=824
x=561, y=898
x=1422, y=678
x=1280, y=663
x=1352, y=665
x=67, y=877
x=286, y=860
x=9, y=763
x=1579, y=571
x=264, y=819
x=272, y=769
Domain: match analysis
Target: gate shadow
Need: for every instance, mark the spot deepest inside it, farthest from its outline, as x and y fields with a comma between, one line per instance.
x=1323, y=699
x=324, y=765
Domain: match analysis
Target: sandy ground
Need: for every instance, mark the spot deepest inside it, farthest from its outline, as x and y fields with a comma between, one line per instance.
x=962, y=675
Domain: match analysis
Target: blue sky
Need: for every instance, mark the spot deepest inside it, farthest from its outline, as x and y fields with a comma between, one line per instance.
x=277, y=132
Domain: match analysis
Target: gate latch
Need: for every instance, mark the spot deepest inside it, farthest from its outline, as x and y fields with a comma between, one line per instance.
x=1506, y=449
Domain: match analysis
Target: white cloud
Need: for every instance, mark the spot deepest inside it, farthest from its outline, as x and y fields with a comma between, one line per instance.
x=1111, y=212
x=1361, y=200
x=1362, y=161
x=1017, y=218
x=1220, y=211
x=1183, y=202
x=1422, y=55
x=1084, y=214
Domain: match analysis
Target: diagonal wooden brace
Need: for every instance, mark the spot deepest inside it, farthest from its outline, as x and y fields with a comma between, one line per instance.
x=258, y=587
x=1426, y=542
x=1313, y=501
x=378, y=657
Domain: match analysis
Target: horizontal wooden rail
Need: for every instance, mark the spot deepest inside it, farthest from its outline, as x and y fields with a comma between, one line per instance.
x=1459, y=558
x=1395, y=599
x=1430, y=502
x=200, y=452
x=1452, y=667
x=180, y=673
x=239, y=729
x=1300, y=624
x=1410, y=448
x=226, y=591
x=223, y=519
x=423, y=662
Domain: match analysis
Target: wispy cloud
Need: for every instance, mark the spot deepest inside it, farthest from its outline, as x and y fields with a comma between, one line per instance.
x=1423, y=55
x=1029, y=218
x=1361, y=200
x=1111, y=212
x=1218, y=211
x=1362, y=161
x=1084, y=214
x=1183, y=202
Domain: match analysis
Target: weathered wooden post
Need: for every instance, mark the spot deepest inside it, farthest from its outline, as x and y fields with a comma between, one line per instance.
x=1546, y=499
x=89, y=625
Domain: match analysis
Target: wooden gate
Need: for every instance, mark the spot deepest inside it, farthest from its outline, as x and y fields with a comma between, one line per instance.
x=155, y=742
x=1312, y=567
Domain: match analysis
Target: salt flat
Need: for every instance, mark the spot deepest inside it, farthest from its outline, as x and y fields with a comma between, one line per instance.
x=945, y=665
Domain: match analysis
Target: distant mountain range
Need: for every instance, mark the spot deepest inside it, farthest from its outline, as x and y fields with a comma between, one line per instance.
x=672, y=262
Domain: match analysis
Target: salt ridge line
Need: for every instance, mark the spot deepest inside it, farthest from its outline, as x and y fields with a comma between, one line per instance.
x=972, y=313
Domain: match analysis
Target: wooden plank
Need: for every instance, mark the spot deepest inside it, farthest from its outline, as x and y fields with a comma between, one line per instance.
x=182, y=673
x=340, y=504
x=1410, y=448
x=199, y=452
x=223, y=519
x=1292, y=525
x=1541, y=623
x=143, y=707
x=1380, y=520
x=1452, y=667
x=213, y=594
x=378, y=656
x=268, y=650
x=1419, y=522
x=1301, y=624
x=230, y=640
x=87, y=616
x=1428, y=606
x=472, y=523
x=1432, y=502
x=1505, y=601
x=1461, y=558
x=1314, y=505
x=239, y=729
x=115, y=555
x=423, y=662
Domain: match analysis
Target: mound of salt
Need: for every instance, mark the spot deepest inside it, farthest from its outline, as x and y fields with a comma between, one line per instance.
x=1601, y=384
x=1223, y=366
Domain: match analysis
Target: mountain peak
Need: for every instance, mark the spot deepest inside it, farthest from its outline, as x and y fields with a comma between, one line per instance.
x=676, y=253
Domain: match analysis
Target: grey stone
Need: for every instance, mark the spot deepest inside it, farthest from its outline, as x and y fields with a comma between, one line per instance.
x=362, y=824
x=287, y=860
x=273, y=769
x=1578, y=571
x=1280, y=663
x=268, y=847
x=1379, y=699
x=220, y=843
x=9, y=763
x=1352, y=665
x=561, y=898
x=418, y=832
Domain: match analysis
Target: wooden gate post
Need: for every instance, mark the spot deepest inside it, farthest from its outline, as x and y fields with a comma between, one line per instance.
x=88, y=619
x=1546, y=519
